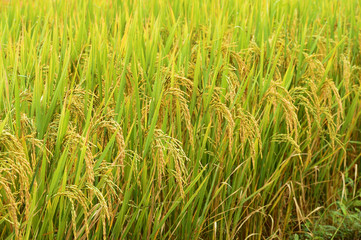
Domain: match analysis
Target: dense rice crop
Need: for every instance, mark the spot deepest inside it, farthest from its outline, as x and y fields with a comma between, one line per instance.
x=180, y=119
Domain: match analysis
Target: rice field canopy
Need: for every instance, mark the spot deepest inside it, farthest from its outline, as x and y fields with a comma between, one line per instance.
x=180, y=119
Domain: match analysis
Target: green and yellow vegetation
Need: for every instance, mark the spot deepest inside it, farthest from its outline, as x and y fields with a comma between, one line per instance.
x=181, y=119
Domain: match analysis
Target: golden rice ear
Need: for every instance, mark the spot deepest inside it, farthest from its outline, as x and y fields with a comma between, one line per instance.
x=75, y=140
x=73, y=217
x=179, y=157
x=279, y=95
x=330, y=88
x=179, y=81
x=304, y=99
x=223, y=112
x=12, y=206
x=104, y=213
x=18, y=169
x=319, y=101
x=73, y=193
x=181, y=97
x=159, y=150
x=287, y=138
x=107, y=125
x=250, y=133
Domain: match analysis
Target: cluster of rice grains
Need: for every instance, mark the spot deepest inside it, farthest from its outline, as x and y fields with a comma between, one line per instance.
x=177, y=119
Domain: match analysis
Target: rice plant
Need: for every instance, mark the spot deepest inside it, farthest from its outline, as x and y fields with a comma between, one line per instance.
x=180, y=119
